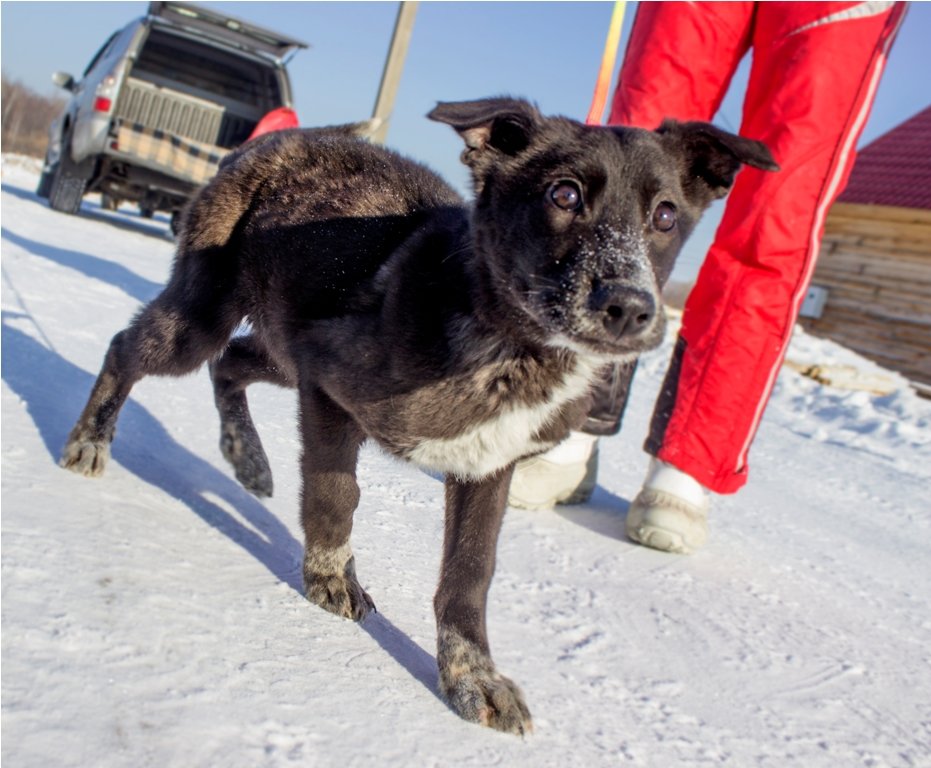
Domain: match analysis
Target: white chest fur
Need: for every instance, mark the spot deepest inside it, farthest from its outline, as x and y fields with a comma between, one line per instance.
x=493, y=444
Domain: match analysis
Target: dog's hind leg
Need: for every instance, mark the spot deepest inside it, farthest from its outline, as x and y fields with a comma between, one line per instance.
x=184, y=326
x=244, y=362
x=331, y=441
x=468, y=678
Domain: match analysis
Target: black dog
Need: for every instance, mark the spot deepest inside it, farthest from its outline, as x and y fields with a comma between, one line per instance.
x=460, y=339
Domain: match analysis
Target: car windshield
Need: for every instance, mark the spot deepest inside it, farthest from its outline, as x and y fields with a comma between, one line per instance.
x=215, y=71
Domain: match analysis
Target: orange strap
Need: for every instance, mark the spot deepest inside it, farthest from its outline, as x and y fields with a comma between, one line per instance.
x=600, y=98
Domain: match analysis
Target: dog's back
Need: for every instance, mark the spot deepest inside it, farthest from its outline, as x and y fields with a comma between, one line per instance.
x=303, y=222
x=271, y=187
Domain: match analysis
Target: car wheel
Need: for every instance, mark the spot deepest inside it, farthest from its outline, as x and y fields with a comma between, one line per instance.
x=45, y=183
x=66, y=192
x=68, y=182
x=68, y=185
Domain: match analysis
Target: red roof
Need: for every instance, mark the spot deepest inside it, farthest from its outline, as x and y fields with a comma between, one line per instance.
x=895, y=169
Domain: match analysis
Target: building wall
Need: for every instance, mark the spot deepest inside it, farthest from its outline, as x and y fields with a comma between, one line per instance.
x=875, y=263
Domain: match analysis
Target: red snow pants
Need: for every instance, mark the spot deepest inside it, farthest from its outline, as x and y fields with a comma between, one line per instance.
x=815, y=69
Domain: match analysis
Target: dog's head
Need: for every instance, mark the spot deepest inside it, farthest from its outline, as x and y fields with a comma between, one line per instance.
x=579, y=226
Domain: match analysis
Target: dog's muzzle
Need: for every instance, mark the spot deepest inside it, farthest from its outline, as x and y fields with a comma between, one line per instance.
x=625, y=313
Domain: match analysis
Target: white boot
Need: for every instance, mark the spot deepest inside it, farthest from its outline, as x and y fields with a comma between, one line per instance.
x=670, y=512
x=565, y=474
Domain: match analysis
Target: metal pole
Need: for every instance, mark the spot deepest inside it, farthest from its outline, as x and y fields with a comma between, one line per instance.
x=391, y=77
x=600, y=98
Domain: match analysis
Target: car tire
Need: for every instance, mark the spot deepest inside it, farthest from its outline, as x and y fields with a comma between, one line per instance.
x=45, y=184
x=68, y=183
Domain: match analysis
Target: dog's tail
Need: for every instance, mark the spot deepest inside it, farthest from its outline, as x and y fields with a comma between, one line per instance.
x=211, y=218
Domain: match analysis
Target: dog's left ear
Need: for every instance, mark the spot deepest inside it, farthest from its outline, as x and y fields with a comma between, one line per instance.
x=714, y=156
x=502, y=125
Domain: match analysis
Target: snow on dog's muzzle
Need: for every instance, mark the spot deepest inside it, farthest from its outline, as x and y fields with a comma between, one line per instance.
x=624, y=312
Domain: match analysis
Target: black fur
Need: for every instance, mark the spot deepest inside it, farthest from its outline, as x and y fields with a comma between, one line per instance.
x=462, y=338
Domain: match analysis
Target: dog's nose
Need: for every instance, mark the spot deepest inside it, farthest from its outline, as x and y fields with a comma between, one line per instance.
x=624, y=311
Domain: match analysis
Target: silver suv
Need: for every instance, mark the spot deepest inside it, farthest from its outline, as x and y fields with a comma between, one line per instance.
x=160, y=104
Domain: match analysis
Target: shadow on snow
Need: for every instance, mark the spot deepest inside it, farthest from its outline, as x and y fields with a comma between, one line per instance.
x=139, y=288
x=92, y=210
x=54, y=391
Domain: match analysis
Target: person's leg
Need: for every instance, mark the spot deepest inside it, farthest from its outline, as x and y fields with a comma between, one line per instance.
x=667, y=73
x=814, y=75
x=679, y=61
x=652, y=86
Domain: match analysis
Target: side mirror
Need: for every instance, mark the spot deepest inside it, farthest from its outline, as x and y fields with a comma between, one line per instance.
x=63, y=80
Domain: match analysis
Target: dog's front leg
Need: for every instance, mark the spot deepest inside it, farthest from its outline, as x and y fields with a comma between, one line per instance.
x=330, y=495
x=468, y=678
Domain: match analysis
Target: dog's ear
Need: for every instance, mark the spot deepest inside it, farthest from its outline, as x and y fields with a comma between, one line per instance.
x=714, y=156
x=502, y=124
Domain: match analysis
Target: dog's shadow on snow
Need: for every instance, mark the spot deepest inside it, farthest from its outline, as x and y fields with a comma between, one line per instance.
x=54, y=390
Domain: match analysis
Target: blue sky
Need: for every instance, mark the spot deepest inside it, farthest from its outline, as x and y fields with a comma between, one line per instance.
x=546, y=51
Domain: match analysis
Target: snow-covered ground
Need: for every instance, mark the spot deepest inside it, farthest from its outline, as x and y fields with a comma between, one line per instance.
x=153, y=617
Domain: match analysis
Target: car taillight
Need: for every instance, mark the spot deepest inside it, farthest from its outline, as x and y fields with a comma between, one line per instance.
x=103, y=101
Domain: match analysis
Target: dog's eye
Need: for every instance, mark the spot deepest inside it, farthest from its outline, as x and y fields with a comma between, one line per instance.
x=566, y=195
x=664, y=217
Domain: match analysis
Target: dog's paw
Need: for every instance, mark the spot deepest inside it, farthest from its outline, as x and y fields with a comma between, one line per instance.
x=476, y=691
x=489, y=699
x=242, y=448
x=340, y=596
x=336, y=589
x=86, y=457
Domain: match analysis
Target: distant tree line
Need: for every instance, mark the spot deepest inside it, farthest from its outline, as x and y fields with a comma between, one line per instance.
x=26, y=118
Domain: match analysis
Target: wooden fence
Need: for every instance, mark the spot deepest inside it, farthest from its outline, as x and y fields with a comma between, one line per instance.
x=876, y=265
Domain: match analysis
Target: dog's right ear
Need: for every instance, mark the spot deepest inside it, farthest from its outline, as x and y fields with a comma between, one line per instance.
x=489, y=125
